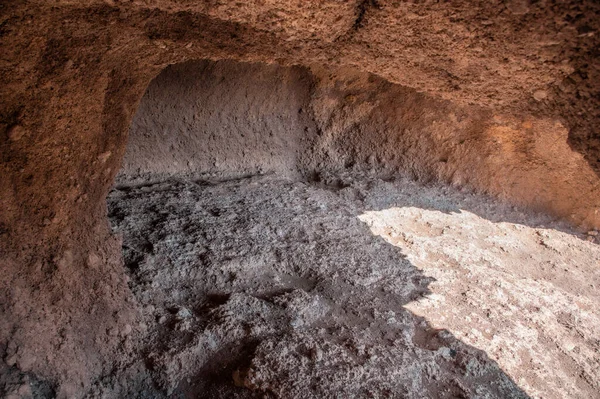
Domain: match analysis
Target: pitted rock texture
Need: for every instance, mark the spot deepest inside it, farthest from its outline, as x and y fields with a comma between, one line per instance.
x=264, y=286
x=72, y=74
x=228, y=119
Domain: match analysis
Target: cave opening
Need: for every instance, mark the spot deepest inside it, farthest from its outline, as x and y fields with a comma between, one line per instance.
x=290, y=231
x=320, y=199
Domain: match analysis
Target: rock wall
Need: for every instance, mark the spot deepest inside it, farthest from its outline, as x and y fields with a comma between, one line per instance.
x=72, y=75
x=221, y=120
x=225, y=119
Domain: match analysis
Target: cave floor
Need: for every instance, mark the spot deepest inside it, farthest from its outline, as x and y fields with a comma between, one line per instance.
x=351, y=287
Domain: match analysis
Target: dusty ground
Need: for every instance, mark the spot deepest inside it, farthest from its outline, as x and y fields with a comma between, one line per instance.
x=263, y=286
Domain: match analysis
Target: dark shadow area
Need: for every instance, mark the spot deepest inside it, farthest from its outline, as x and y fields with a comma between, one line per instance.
x=282, y=263
x=25, y=384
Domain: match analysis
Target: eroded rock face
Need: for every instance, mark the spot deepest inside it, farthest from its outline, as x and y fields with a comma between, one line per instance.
x=226, y=119
x=222, y=120
x=73, y=74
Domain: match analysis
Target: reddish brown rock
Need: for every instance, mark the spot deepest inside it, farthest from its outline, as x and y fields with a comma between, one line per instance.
x=73, y=73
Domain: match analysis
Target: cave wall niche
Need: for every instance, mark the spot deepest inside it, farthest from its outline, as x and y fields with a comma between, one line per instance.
x=226, y=119
x=219, y=120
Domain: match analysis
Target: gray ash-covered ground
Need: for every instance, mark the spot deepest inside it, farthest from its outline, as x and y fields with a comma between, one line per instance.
x=264, y=287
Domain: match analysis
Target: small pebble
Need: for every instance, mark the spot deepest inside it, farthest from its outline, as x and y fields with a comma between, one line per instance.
x=540, y=95
x=104, y=156
x=11, y=361
x=184, y=313
x=127, y=330
x=16, y=133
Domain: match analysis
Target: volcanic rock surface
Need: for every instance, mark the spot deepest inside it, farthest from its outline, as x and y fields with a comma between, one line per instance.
x=263, y=286
x=495, y=97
